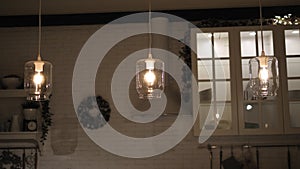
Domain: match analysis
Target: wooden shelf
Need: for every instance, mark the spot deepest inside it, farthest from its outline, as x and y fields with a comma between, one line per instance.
x=12, y=93
x=11, y=139
x=21, y=134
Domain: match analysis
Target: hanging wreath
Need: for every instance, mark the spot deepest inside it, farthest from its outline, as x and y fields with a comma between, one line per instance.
x=89, y=115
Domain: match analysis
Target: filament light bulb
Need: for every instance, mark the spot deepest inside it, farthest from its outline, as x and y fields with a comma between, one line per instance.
x=263, y=74
x=38, y=78
x=150, y=77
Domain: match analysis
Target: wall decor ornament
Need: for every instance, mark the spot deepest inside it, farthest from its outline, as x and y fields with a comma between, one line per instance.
x=89, y=115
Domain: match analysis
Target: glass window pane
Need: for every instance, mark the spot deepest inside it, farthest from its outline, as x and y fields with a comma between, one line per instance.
x=222, y=69
x=293, y=67
x=294, y=104
x=205, y=69
x=293, y=84
x=248, y=44
x=245, y=84
x=203, y=113
x=251, y=115
x=223, y=92
x=294, y=95
x=292, y=42
x=245, y=68
x=270, y=115
x=268, y=42
x=294, y=113
x=226, y=119
x=209, y=121
x=247, y=92
x=221, y=44
x=204, y=46
x=205, y=91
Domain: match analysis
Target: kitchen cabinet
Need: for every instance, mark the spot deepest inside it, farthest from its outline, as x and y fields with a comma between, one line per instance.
x=292, y=79
x=212, y=66
x=221, y=68
x=258, y=116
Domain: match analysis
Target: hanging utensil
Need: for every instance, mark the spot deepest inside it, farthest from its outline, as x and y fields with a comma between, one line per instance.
x=289, y=158
x=257, y=158
x=231, y=162
x=221, y=157
x=210, y=157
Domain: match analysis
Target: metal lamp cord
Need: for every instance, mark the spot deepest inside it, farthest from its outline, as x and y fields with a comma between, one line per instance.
x=150, y=31
x=40, y=30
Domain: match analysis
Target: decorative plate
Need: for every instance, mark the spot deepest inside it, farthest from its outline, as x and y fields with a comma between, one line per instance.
x=90, y=116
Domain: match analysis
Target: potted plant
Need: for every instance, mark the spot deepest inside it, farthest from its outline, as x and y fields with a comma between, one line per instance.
x=30, y=110
x=30, y=113
x=46, y=120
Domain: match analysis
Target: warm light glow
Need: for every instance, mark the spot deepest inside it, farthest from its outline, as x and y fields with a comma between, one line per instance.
x=295, y=31
x=252, y=33
x=150, y=77
x=38, y=78
x=249, y=107
x=263, y=74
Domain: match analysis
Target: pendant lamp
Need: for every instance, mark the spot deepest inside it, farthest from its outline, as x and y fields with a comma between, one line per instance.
x=38, y=74
x=263, y=71
x=150, y=72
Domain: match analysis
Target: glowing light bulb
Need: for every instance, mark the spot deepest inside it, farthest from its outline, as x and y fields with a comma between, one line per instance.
x=263, y=74
x=38, y=78
x=249, y=107
x=149, y=77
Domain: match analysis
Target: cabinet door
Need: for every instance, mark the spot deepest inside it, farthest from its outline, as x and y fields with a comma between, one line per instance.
x=257, y=115
x=292, y=58
x=212, y=70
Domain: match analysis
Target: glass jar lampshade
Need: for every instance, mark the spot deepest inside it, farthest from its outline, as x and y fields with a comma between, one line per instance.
x=264, y=75
x=38, y=80
x=149, y=78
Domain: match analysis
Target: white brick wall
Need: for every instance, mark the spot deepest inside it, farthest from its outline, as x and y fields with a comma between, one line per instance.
x=68, y=147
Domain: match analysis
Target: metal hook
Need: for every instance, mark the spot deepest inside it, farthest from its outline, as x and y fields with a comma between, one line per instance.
x=289, y=157
x=257, y=158
x=221, y=157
